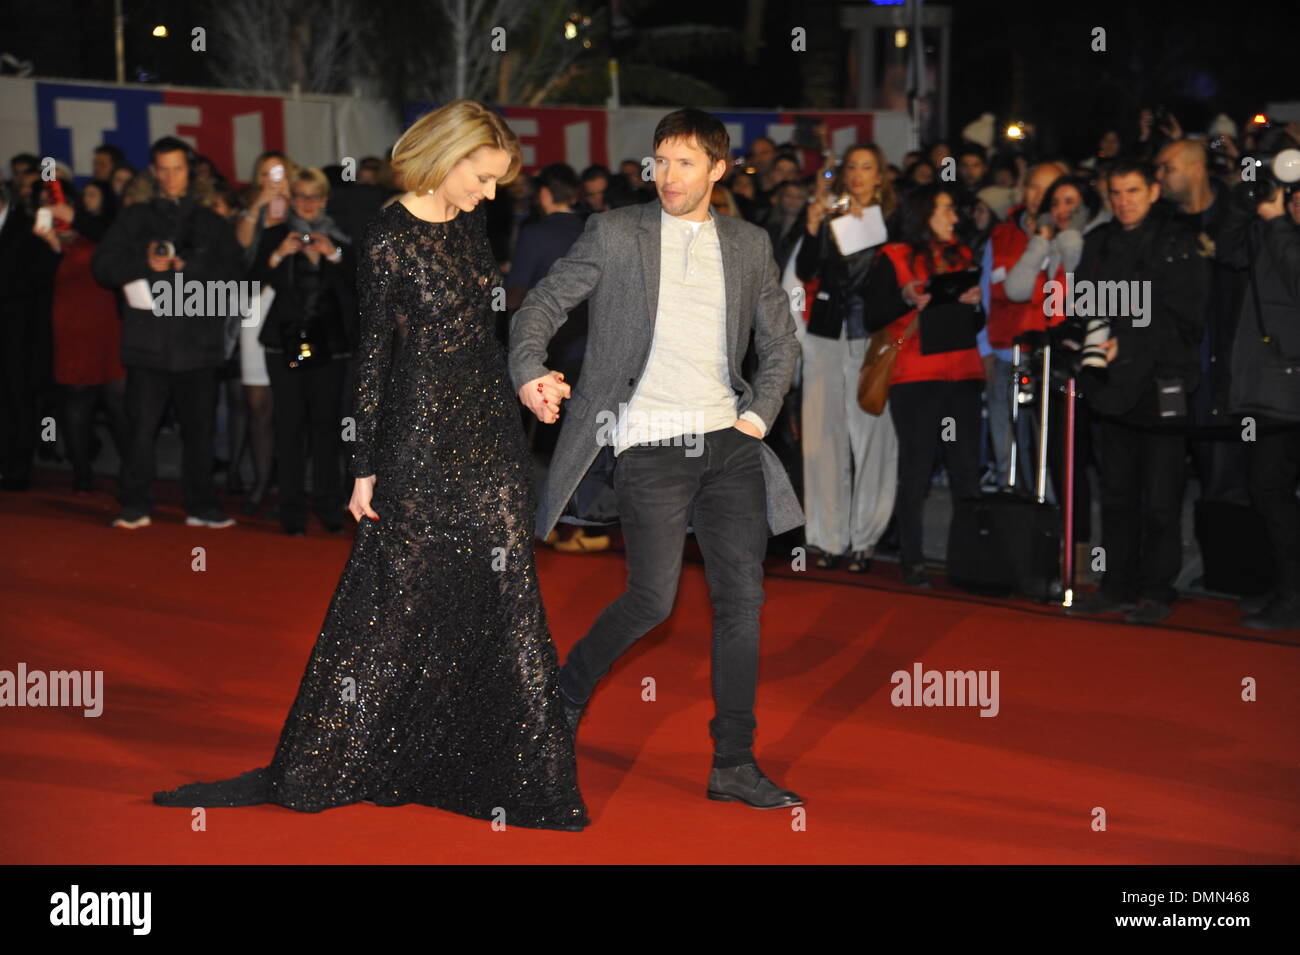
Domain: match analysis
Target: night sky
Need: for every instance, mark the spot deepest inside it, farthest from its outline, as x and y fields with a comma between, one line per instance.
x=1013, y=58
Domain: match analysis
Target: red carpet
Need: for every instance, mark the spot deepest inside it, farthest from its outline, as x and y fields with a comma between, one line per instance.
x=200, y=668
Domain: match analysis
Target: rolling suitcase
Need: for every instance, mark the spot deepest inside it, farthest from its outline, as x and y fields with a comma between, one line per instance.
x=1009, y=542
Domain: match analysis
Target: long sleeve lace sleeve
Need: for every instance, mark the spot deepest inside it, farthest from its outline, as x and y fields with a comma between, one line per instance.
x=375, y=268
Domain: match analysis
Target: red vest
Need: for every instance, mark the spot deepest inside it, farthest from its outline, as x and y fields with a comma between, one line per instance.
x=911, y=365
x=1006, y=318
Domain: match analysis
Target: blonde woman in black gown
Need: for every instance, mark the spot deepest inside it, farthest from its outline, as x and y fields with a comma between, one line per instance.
x=434, y=678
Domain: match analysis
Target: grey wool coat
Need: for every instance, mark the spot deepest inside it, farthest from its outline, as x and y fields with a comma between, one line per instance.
x=614, y=266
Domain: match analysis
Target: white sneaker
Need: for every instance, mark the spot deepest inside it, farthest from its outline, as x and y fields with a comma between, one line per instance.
x=193, y=521
x=141, y=521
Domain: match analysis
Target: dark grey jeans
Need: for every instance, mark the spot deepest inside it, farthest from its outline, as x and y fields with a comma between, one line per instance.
x=722, y=493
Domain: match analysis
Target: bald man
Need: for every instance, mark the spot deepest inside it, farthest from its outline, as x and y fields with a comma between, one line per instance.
x=1200, y=201
x=1183, y=171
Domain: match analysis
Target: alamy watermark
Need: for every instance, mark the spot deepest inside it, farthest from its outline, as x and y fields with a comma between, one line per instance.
x=678, y=429
x=922, y=687
x=83, y=688
x=1089, y=299
x=207, y=299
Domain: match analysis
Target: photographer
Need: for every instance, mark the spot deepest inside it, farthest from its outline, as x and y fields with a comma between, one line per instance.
x=1141, y=397
x=850, y=458
x=308, y=334
x=1067, y=212
x=166, y=230
x=1009, y=318
x=1257, y=234
x=935, y=395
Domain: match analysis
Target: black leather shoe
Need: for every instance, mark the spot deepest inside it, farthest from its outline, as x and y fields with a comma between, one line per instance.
x=1097, y=603
x=1148, y=612
x=860, y=563
x=917, y=576
x=1280, y=613
x=331, y=522
x=747, y=784
x=1256, y=604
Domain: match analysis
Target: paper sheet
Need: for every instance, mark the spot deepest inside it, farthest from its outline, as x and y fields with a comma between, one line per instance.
x=855, y=233
x=138, y=295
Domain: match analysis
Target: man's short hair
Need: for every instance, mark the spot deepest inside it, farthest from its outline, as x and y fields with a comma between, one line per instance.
x=114, y=153
x=972, y=149
x=26, y=159
x=562, y=182
x=788, y=157
x=170, y=144
x=595, y=171
x=705, y=128
x=1124, y=167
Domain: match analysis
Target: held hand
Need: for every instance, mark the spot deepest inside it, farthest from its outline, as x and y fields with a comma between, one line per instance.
x=178, y=264
x=290, y=246
x=322, y=243
x=1145, y=119
x=1274, y=207
x=748, y=427
x=913, y=295
x=1111, y=347
x=50, y=236
x=542, y=396
x=971, y=296
x=159, y=263
x=362, y=490
x=1171, y=127
x=816, y=215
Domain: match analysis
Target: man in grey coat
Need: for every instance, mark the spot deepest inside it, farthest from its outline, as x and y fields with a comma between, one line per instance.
x=673, y=294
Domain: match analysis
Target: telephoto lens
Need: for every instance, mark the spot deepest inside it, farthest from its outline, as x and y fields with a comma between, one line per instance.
x=1094, y=354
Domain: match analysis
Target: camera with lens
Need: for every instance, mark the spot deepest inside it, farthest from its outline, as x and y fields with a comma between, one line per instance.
x=1265, y=174
x=1078, y=348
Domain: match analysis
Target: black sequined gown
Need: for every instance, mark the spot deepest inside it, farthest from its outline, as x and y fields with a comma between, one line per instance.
x=434, y=679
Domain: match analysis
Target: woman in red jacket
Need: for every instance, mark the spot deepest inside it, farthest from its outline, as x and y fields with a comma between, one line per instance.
x=87, y=334
x=934, y=399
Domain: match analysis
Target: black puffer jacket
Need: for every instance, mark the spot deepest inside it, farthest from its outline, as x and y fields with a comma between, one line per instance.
x=843, y=277
x=206, y=244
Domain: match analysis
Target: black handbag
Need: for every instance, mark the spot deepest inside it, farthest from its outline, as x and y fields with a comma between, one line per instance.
x=304, y=344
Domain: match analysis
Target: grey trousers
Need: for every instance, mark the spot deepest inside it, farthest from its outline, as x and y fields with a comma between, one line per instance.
x=850, y=458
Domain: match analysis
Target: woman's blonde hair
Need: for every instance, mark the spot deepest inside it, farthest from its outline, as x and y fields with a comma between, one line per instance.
x=425, y=154
x=312, y=175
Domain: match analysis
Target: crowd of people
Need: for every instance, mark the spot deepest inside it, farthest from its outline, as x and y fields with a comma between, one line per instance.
x=1214, y=269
